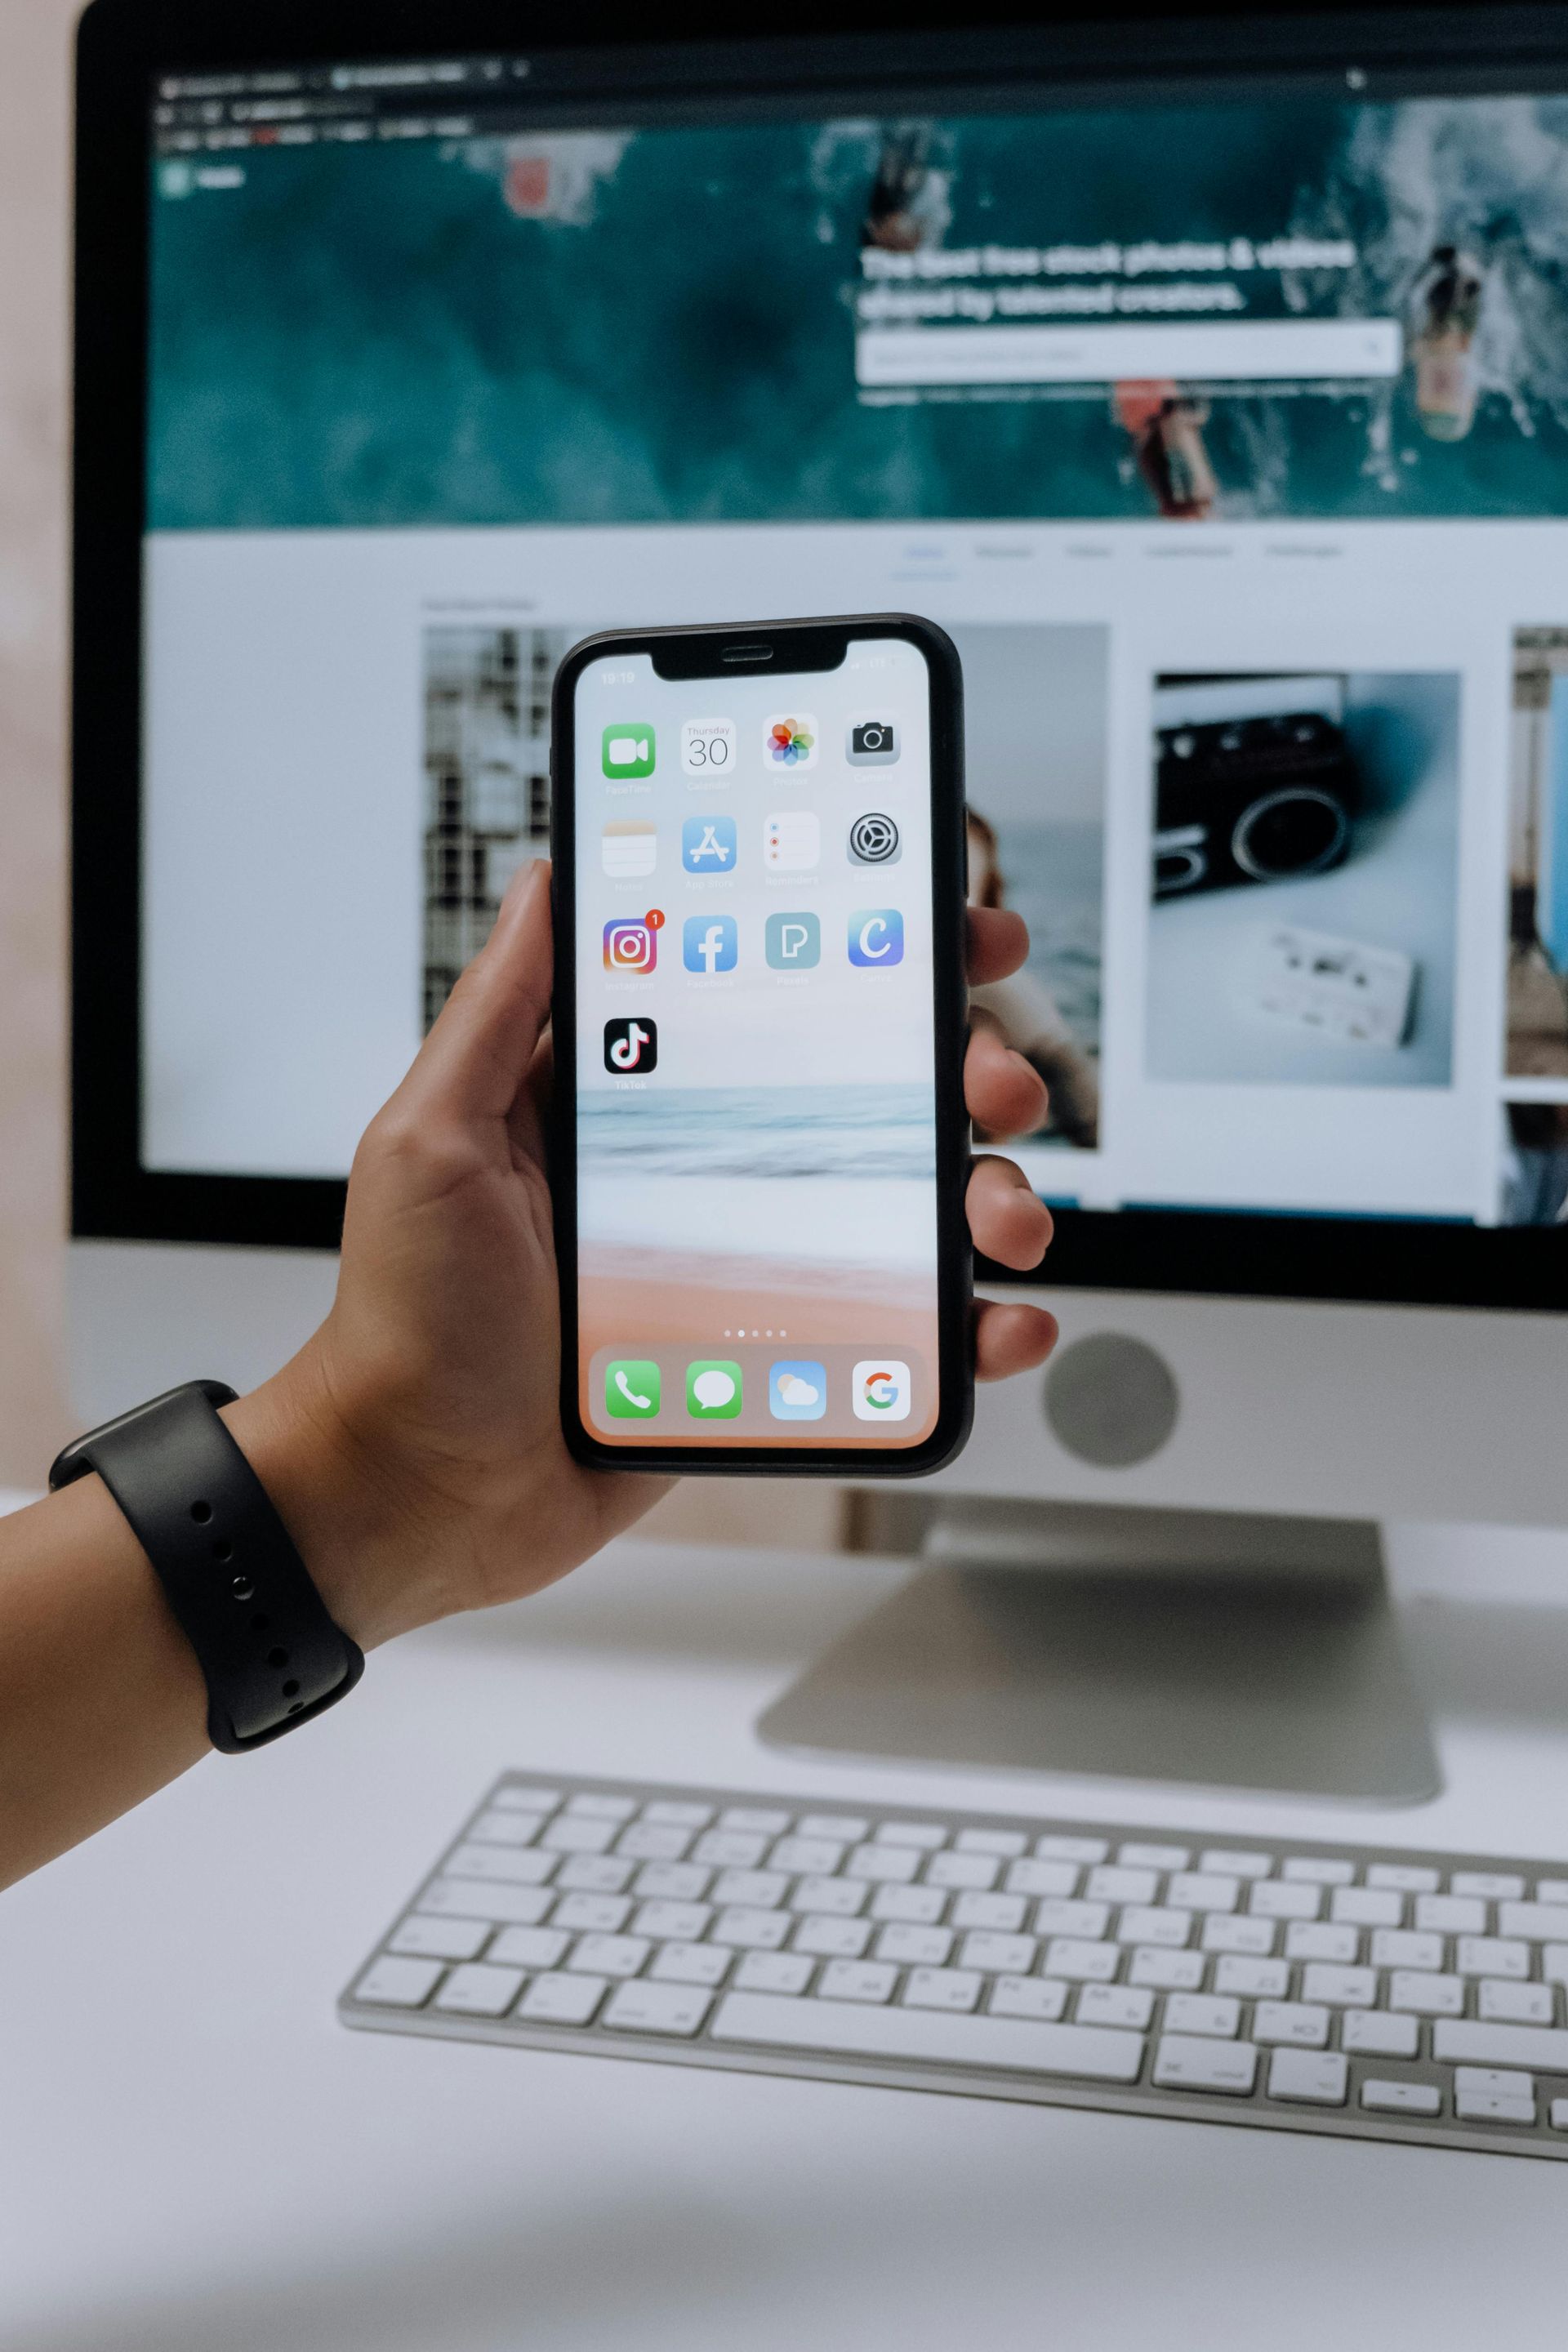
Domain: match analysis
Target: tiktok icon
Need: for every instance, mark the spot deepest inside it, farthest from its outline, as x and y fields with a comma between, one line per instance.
x=631, y=1048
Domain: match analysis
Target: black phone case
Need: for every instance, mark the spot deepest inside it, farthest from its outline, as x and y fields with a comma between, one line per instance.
x=698, y=653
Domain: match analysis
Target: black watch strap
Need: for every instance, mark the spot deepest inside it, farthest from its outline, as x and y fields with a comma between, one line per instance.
x=269, y=1648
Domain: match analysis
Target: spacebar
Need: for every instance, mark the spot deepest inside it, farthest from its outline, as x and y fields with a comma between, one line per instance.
x=1016, y=2043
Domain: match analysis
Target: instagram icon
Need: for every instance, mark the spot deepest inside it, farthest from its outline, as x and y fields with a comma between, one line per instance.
x=631, y=946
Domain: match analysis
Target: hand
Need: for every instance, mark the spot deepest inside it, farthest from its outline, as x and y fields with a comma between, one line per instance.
x=414, y=1446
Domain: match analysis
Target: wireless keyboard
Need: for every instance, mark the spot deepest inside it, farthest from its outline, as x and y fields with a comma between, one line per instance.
x=1386, y=1995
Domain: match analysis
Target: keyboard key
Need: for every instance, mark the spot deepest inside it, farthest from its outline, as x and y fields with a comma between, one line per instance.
x=1042, y=1877
x=1278, y=1898
x=953, y=1989
x=1318, y=1939
x=1405, y=1947
x=841, y=1829
x=841, y=1897
x=1225, y=1865
x=762, y=1821
x=1551, y=1890
x=439, y=1939
x=981, y=1869
x=649, y=2008
x=593, y=1873
x=562, y=2000
x=1558, y=2114
x=1201, y=1890
x=1337, y=1987
x=1451, y=1915
x=1402, y=2098
x=1072, y=1849
x=1404, y=1878
x=594, y=1805
x=814, y=1856
x=1313, y=1870
x=599, y=1914
x=912, y=1948
x=1236, y=1972
x=1166, y=1972
x=762, y=1887
x=1005, y=1913
x=692, y=1964
x=571, y=1834
x=1058, y=1916
x=1303, y=2024
x=531, y=1948
x=608, y=1956
x=527, y=1799
x=1491, y=2107
x=1111, y=1883
x=678, y=1813
x=1466, y=2042
x=922, y=1906
x=1366, y=1907
x=672, y=1923
x=1140, y=1923
x=857, y=1980
x=830, y=1938
x=1124, y=2005
x=1504, y=2003
x=1506, y=2082
x=479, y=1990
x=1153, y=1857
x=1232, y=1932
x=498, y=1828
x=1084, y=1963
x=1315, y=2077
x=731, y=1848
x=1492, y=1956
x=398, y=1984
x=786, y=1972
x=1538, y=1922
x=924, y=1836
x=761, y=1931
x=467, y=1898
x=1491, y=1886
x=1375, y=2033
x=892, y=1864
x=653, y=1841
x=680, y=1882
x=511, y=1865
x=1210, y=2014
x=1041, y=1997
x=998, y=2044
x=1426, y=1996
x=1004, y=1843
x=1184, y=2062
x=1555, y=1964
x=997, y=1954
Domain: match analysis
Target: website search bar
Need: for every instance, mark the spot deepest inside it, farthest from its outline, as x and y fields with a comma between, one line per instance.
x=1223, y=350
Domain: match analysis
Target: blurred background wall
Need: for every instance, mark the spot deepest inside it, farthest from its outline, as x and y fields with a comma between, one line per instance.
x=35, y=183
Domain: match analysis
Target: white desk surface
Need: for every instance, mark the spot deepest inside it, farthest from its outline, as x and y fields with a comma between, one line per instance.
x=195, y=2157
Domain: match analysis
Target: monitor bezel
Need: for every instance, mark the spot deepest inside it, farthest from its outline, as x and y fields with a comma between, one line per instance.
x=808, y=50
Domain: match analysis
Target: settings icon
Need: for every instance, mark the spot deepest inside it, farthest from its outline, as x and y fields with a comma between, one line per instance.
x=874, y=840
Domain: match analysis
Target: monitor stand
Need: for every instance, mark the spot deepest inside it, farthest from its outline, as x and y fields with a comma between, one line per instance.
x=1210, y=1648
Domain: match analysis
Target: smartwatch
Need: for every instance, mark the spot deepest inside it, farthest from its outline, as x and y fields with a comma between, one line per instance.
x=267, y=1647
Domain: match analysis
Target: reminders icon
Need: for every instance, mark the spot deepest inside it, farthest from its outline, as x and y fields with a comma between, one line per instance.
x=790, y=843
x=630, y=849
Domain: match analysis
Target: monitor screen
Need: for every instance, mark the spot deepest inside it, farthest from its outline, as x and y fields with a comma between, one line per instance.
x=1224, y=425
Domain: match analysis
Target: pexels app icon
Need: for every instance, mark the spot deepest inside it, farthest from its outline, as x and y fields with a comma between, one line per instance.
x=880, y=1389
x=631, y=1048
x=631, y=946
x=628, y=751
x=793, y=943
x=875, y=936
x=874, y=840
x=873, y=743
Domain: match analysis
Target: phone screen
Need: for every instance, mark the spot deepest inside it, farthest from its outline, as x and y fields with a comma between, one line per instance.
x=756, y=1109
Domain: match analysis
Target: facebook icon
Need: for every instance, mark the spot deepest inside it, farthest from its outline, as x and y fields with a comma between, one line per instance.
x=875, y=936
x=709, y=942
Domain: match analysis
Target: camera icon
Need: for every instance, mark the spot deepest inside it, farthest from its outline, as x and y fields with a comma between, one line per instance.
x=873, y=743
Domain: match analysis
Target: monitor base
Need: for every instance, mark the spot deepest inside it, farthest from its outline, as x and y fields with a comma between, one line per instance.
x=1255, y=1654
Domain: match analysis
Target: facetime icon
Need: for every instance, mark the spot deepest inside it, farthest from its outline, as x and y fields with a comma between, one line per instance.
x=628, y=751
x=793, y=943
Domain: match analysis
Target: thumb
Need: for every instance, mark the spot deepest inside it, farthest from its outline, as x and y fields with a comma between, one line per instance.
x=476, y=1057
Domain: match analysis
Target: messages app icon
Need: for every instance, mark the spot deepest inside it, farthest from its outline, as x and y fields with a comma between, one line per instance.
x=713, y=1391
x=797, y=1391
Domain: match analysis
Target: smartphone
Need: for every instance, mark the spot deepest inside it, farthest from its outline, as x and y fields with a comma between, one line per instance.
x=760, y=1139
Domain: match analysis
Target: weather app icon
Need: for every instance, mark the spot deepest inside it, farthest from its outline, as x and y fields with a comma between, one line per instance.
x=797, y=1391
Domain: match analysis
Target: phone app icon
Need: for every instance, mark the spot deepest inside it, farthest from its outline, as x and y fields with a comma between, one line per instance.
x=710, y=943
x=708, y=748
x=877, y=936
x=880, y=1389
x=793, y=943
x=873, y=743
x=714, y=1391
x=631, y=946
x=791, y=743
x=874, y=840
x=797, y=1391
x=707, y=845
x=629, y=848
x=792, y=842
x=631, y=1390
x=628, y=751
x=631, y=1047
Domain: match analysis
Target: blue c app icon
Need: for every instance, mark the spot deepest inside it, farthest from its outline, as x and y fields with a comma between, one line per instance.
x=875, y=936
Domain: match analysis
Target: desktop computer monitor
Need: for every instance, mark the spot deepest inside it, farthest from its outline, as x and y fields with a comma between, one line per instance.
x=1206, y=378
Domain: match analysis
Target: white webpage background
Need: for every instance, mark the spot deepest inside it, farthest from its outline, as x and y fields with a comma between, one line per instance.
x=285, y=797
